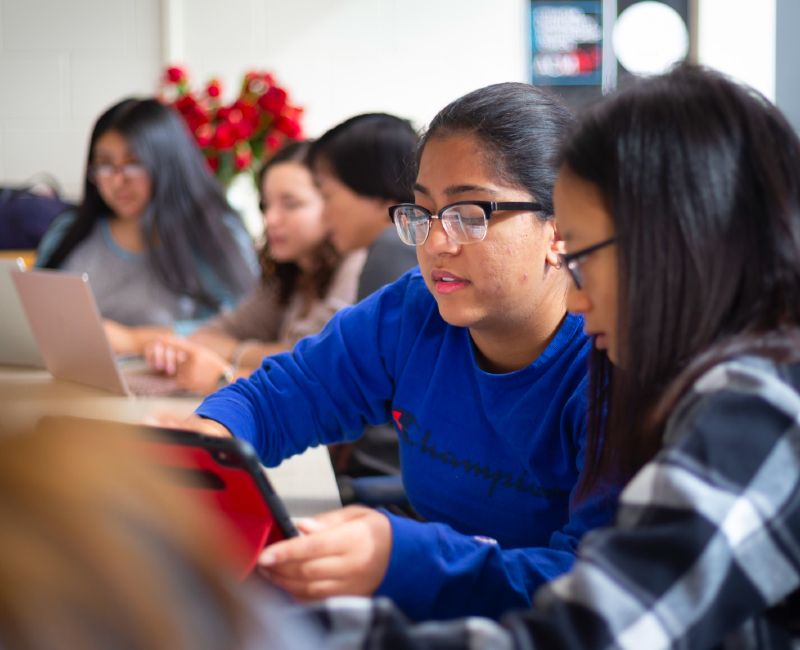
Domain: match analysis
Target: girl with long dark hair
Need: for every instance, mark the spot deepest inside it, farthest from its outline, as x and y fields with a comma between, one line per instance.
x=154, y=231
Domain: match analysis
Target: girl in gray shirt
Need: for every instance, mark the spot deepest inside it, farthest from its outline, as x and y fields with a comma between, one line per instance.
x=154, y=231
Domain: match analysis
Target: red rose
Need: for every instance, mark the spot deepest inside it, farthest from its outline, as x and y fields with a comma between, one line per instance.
x=244, y=130
x=242, y=158
x=225, y=136
x=186, y=104
x=204, y=134
x=234, y=115
x=249, y=111
x=175, y=74
x=273, y=100
x=272, y=142
x=288, y=126
x=195, y=116
x=214, y=88
x=242, y=127
x=213, y=164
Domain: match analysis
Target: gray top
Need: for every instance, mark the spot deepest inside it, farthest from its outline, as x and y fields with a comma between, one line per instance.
x=126, y=287
x=123, y=283
x=387, y=259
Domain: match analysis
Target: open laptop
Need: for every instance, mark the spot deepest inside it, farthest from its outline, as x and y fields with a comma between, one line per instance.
x=68, y=330
x=17, y=345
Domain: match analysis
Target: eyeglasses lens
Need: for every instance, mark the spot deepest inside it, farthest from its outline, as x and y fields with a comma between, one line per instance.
x=130, y=171
x=412, y=225
x=465, y=223
x=574, y=268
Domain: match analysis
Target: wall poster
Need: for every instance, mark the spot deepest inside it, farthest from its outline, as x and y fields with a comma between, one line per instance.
x=566, y=43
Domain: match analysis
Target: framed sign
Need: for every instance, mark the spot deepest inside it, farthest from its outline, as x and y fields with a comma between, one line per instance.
x=566, y=43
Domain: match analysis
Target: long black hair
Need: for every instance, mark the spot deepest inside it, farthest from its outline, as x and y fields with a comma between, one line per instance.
x=185, y=218
x=521, y=128
x=288, y=277
x=701, y=177
x=373, y=154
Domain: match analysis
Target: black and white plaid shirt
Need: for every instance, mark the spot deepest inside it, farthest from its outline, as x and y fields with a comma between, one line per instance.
x=705, y=552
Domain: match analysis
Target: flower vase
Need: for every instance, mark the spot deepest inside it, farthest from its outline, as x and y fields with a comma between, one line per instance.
x=243, y=196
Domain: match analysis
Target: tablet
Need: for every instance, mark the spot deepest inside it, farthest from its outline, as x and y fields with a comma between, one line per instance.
x=224, y=474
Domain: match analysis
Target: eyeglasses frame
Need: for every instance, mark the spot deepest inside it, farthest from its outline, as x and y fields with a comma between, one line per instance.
x=488, y=208
x=116, y=169
x=571, y=260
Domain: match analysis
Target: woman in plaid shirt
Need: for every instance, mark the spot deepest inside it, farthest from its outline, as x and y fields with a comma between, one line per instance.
x=679, y=204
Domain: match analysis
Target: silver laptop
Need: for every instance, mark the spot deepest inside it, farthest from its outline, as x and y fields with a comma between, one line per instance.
x=17, y=345
x=68, y=330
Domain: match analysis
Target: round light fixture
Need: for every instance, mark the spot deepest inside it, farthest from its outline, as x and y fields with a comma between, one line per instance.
x=649, y=37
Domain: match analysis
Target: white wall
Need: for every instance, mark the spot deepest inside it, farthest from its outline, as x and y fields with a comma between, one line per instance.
x=738, y=38
x=408, y=57
x=61, y=63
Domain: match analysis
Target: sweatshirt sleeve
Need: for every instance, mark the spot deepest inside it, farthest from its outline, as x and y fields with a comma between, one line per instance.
x=436, y=572
x=324, y=391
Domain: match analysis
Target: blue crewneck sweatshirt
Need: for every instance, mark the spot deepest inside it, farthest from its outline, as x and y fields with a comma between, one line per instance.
x=490, y=460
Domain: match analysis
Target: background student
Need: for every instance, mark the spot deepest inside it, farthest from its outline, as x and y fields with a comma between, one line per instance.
x=304, y=281
x=679, y=200
x=362, y=166
x=161, y=245
x=477, y=363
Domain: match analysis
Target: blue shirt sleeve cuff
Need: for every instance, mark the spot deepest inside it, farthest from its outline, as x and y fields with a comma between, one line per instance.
x=412, y=544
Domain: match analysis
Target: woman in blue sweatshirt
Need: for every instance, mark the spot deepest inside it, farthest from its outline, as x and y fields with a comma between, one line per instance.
x=476, y=362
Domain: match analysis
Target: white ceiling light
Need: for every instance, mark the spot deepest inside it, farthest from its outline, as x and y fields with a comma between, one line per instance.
x=649, y=37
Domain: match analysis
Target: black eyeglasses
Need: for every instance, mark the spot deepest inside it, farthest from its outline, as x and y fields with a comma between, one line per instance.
x=573, y=260
x=465, y=222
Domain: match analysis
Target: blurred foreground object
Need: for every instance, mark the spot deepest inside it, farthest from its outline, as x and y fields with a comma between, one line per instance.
x=96, y=552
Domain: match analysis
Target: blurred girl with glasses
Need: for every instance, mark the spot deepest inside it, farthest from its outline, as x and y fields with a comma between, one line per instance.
x=304, y=281
x=154, y=231
x=483, y=373
x=695, y=310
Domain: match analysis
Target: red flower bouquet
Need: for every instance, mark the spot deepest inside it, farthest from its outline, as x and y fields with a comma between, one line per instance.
x=236, y=137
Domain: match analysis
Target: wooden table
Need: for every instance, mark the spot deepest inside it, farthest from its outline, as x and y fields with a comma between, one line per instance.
x=305, y=482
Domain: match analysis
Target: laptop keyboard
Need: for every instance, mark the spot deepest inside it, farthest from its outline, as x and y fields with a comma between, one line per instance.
x=146, y=384
x=141, y=380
